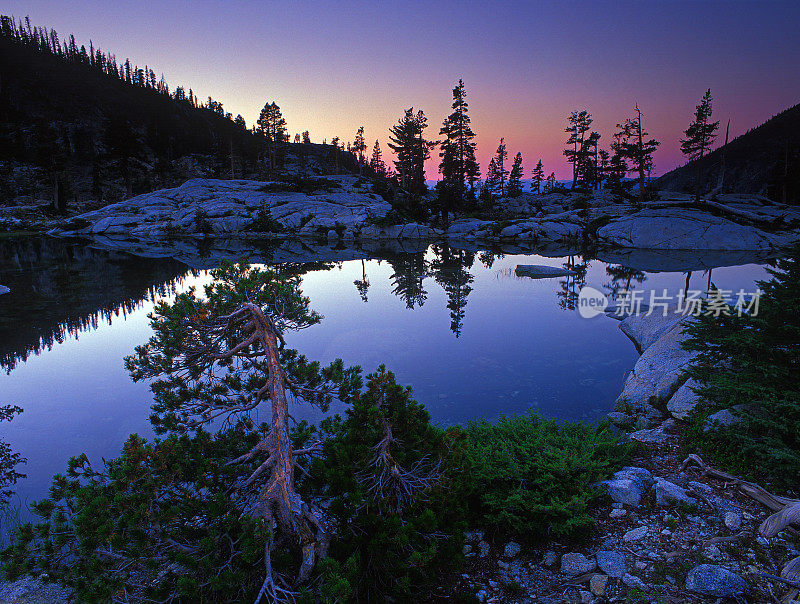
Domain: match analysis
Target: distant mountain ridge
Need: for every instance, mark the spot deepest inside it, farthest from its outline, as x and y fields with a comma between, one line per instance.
x=764, y=160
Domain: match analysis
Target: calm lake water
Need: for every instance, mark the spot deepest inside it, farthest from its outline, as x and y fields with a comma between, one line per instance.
x=471, y=338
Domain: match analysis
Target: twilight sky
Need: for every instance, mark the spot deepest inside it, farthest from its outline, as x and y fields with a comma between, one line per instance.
x=332, y=66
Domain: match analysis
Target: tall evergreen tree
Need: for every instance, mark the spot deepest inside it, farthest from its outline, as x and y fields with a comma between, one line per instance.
x=700, y=136
x=579, y=123
x=636, y=148
x=408, y=142
x=458, y=166
x=376, y=161
x=501, y=174
x=537, y=176
x=550, y=183
x=272, y=125
x=359, y=146
x=515, y=177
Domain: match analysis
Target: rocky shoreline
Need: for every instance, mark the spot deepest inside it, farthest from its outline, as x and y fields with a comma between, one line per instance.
x=345, y=209
x=671, y=533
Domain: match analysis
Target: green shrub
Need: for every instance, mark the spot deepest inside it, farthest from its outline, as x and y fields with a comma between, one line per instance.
x=750, y=364
x=160, y=521
x=387, y=476
x=265, y=223
x=535, y=478
x=300, y=184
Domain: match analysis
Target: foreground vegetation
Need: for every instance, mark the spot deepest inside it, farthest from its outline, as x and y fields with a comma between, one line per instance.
x=749, y=364
x=371, y=505
x=367, y=506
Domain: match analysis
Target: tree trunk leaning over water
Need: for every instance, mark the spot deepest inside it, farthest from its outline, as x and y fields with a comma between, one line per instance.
x=278, y=502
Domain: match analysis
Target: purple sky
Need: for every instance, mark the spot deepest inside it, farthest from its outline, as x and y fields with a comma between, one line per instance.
x=332, y=66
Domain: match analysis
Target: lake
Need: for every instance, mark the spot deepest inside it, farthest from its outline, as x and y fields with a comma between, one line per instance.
x=456, y=323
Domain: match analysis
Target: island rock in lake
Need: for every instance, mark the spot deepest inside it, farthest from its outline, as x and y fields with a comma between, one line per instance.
x=4, y=290
x=541, y=271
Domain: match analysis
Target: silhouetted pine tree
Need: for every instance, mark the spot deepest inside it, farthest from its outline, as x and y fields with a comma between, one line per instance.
x=537, y=176
x=515, y=177
x=700, y=136
x=412, y=149
x=359, y=146
x=635, y=147
x=579, y=122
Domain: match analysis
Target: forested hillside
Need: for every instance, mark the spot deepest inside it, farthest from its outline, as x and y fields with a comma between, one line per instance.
x=77, y=126
x=764, y=160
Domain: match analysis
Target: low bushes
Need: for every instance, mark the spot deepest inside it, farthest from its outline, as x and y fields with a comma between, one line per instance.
x=535, y=478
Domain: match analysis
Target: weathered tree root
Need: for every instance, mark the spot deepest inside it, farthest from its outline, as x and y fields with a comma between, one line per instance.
x=787, y=510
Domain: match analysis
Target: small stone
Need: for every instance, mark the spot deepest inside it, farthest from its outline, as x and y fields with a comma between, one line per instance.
x=576, y=564
x=503, y=565
x=597, y=584
x=666, y=532
x=640, y=565
x=617, y=513
x=483, y=549
x=762, y=541
x=611, y=563
x=634, y=582
x=722, y=418
x=550, y=558
x=668, y=493
x=586, y=597
x=617, y=506
x=467, y=548
x=715, y=581
x=733, y=521
x=635, y=534
x=712, y=552
x=473, y=536
x=511, y=550
x=482, y=595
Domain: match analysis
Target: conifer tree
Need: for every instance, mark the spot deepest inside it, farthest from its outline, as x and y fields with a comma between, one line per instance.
x=458, y=166
x=700, y=136
x=634, y=146
x=408, y=142
x=515, y=177
x=376, y=161
x=537, y=176
x=579, y=122
x=492, y=183
x=501, y=174
x=272, y=125
x=359, y=146
x=550, y=183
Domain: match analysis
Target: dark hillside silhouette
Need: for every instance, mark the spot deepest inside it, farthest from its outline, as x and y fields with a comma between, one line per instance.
x=75, y=128
x=764, y=160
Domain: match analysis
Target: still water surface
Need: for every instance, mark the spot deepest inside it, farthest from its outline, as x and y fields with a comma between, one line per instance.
x=470, y=337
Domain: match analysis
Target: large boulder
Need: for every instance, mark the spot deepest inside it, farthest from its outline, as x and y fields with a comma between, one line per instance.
x=682, y=228
x=669, y=494
x=4, y=290
x=629, y=485
x=659, y=372
x=684, y=400
x=576, y=564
